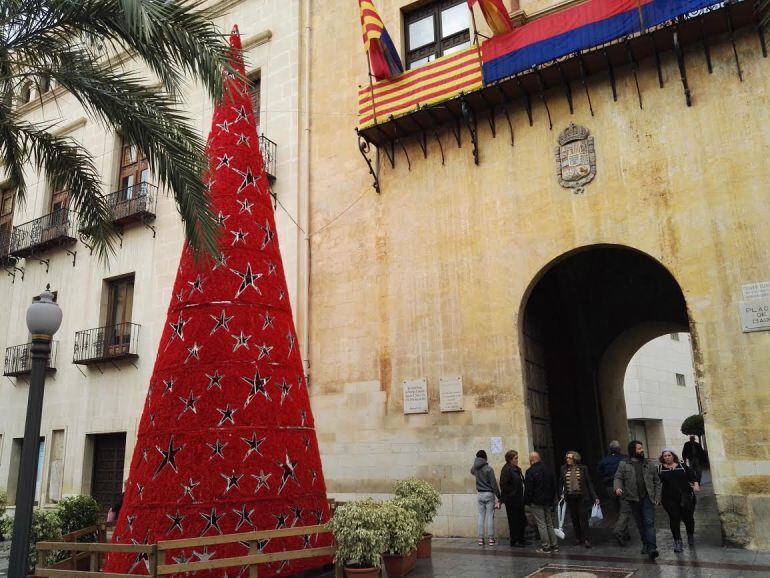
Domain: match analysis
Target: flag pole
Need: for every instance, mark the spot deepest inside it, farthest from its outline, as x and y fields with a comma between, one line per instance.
x=371, y=86
x=641, y=15
x=475, y=30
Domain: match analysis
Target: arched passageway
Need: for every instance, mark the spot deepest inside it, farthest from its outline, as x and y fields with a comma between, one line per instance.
x=582, y=320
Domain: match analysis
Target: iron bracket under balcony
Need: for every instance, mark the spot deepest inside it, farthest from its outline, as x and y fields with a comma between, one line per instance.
x=52, y=230
x=18, y=360
x=109, y=343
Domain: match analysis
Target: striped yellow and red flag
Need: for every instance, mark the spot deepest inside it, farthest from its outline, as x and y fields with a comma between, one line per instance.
x=383, y=56
x=495, y=14
x=434, y=82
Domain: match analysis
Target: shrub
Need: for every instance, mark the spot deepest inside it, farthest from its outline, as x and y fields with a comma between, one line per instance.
x=3, y=502
x=77, y=512
x=422, y=498
x=402, y=528
x=46, y=527
x=693, y=426
x=359, y=532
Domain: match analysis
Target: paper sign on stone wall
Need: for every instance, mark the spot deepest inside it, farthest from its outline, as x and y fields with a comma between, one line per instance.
x=451, y=394
x=415, y=396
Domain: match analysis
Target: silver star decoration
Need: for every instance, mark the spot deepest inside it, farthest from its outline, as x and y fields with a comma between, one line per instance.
x=130, y=522
x=246, y=205
x=216, y=449
x=281, y=294
x=289, y=472
x=189, y=404
x=224, y=161
x=261, y=478
x=220, y=261
x=244, y=517
x=306, y=540
x=140, y=490
x=168, y=385
x=196, y=285
x=302, y=417
x=224, y=126
x=291, y=339
x=281, y=520
x=212, y=521
x=169, y=457
x=269, y=234
x=176, y=522
x=249, y=180
x=233, y=480
x=227, y=415
x=267, y=320
x=238, y=237
x=145, y=453
x=204, y=556
x=178, y=328
x=257, y=384
x=297, y=511
x=214, y=380
x=181, y=559
x=221, y=322
x=187, y=489
x=248, y=279
x=243, y=139
x=319, y=517
x=254, y=444
x=264, y=350
x=271, y=268
x=142, y=557
x=193, y=351
x=241, y=114
x=180, y=296
x=285, y=388
x=241, y=340
x=221, y=219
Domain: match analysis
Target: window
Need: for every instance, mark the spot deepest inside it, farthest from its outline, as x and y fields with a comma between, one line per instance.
x=255, y=90
x=134, y=170
x=120, y=304
x=675, y=336
x=7, y=197
x=435, y=30
x=13, y=475
x=44, y=84
x=59, y=200
x=25, y=95
x=680, y=379
x=56, y=466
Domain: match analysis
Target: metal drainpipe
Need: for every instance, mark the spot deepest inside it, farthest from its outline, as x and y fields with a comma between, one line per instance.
x=304, y=202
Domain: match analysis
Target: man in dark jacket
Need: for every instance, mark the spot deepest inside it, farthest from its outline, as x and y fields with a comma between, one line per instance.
x=607, y=468
x=540, y=496
x=694, y=456
x=512, y=495
x=637, y=481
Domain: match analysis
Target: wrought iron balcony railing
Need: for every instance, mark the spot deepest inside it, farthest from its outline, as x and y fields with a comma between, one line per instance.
x=18, y=360
x=53, y=229
x=135, y=203
x=5, y=246
x=269, y=151
x=109, y=343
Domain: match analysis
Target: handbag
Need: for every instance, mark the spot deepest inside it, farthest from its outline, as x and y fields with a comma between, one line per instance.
x=561, y=510
x=596, y=515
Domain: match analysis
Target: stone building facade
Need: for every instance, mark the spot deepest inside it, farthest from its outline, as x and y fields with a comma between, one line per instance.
x=537, y=296
x=92, y=410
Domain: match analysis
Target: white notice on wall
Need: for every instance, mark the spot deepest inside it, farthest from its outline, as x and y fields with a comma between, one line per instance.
x=415, y=396
x=755, y=315
x=451, y=393
x=496, y=445
x=752, y=291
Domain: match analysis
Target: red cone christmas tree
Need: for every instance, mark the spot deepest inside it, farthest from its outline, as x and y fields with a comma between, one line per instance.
x=226, y=442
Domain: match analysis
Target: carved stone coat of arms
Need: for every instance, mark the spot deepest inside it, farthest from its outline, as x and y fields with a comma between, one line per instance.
x=575, y=158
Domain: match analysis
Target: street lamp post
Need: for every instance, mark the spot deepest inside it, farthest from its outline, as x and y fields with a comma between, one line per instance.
x=43, y=320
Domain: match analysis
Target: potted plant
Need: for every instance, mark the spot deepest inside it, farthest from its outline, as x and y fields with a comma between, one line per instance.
x=360, y=536
x=424, y=500
x=402, y=532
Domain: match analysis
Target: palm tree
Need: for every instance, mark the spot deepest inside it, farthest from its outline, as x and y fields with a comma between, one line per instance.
x=75, y=44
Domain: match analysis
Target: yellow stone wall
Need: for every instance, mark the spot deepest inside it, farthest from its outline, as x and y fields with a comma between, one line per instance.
x=427, y=279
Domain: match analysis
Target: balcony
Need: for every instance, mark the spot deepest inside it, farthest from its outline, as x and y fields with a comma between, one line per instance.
x=5, y=246
x=109, y=343
x=269, y=150
x=52, y=230
x=18, y=360
x=136, y=203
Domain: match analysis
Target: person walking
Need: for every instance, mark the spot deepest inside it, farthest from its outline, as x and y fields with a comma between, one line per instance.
x=678, y=498
x=694, y=456
x=607, y=468
x=637, y=481
x=576, y=488
x=512, y=495
x=488, y=492
x=540, y=496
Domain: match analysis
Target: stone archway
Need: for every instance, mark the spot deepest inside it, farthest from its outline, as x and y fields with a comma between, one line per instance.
x=582, y=319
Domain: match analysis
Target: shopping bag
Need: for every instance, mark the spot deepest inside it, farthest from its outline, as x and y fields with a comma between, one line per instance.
x=111, y=515
x=596, y=515
x=561, y=509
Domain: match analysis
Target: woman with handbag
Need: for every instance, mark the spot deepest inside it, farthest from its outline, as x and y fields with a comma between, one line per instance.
x=679, y=485
x=578, y=491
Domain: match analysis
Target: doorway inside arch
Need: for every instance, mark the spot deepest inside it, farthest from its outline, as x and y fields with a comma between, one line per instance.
x=585, y=318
